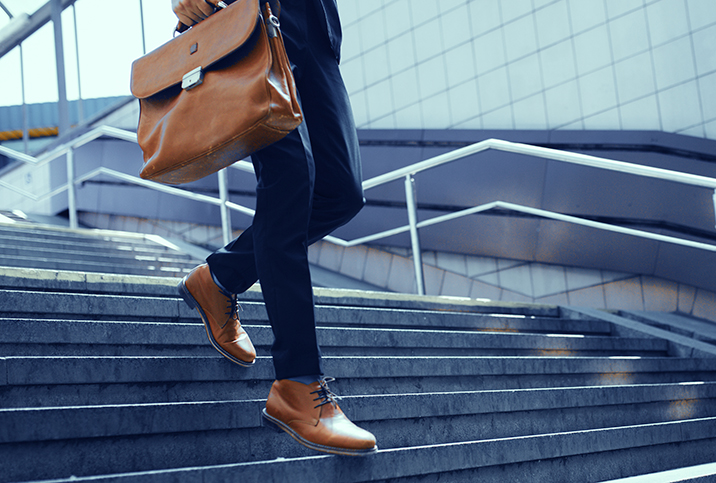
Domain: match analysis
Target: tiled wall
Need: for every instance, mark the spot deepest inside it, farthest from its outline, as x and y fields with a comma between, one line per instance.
x=532, y=64
x=463, y=275
x=514, y=281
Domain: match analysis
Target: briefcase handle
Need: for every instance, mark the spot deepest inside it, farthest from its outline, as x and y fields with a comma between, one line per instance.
x=181, y=28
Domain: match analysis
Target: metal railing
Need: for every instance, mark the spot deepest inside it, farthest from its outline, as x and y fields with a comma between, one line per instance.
x=407, y=174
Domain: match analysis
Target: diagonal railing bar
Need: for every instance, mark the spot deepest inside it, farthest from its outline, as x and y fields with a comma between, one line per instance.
x=546, y=153
x=405, y=173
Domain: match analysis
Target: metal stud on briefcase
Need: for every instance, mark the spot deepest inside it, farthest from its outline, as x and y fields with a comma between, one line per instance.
x=215, y=94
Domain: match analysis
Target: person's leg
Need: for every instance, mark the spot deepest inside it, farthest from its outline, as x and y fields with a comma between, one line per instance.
x=326, y=142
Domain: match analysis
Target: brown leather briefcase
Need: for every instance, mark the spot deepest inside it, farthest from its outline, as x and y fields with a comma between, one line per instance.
x=214, y=94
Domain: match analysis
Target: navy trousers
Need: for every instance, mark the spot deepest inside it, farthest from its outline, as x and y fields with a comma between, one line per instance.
x=308, y=184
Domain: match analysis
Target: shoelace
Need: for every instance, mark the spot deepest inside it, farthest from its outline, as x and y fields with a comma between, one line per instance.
x=324, y=394
x=232, y=307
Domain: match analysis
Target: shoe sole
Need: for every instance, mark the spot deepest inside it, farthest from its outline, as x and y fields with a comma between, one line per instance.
x=192, y=303
x=279, y=426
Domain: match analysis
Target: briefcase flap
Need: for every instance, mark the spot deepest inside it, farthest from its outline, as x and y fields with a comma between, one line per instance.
x=201, y=46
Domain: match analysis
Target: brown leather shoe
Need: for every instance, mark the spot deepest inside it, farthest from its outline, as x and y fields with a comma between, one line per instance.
x=310, y=414
x=217, y=309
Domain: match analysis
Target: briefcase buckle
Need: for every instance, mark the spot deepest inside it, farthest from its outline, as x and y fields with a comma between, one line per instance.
x=192, y=79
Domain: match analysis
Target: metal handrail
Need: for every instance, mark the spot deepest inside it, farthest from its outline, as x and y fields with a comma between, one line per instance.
x=406, y=173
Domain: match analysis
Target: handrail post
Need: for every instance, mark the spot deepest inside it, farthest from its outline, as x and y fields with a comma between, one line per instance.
x=410, y=198
x=715, y=203
x=225, y=213
x=71, y=188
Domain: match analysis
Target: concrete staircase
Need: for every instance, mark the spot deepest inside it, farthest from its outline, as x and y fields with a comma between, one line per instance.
x=50, y=247
x=109, y=377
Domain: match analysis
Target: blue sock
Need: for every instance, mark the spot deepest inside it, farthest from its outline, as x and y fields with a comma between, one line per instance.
x=305, y=379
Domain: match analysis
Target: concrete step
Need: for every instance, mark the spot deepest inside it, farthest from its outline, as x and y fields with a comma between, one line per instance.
x=147, y=268
x=84, y=243
x=166, y=306
x=69, y=253
x=66, y=235
x=31, y=371
x=436, y=417
x=699, y=473
x=79, y=260
x=64, y=337
x=588, y=455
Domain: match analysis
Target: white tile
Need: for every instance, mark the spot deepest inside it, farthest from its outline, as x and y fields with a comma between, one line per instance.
x=352, y=73
x=385, y=122
x=548, y=280
x=429, y=258
x=493, y=89
x=673, y=63
x=360, y=107
x=366, y=7
x=372, y=31
x=642, y=114
x=538, y=4
x=680, y=107
x=489, y=278
x=410, y=117
x=520, y=38
x=635, y=77
x=449, y=5
x=452, y=262
x=405, y=88
x=562, y=104
x=578, y=278
x=707, y=86
x=348, y=10
x=480, y=265
x=603, y=121
x=377, y=61
x=427, y=40
x=350, y=49
x=489, y=52
x=464, y=103
x=456, y=285
x=610, y=276
x=506, y=263
x=558, y=63
x=397, y=18
x=704, y=50
x=701, y=13
x=431, y=77
x=514, y=9
x=471, y=123
x=423, y=10
x=696, y=131
x=401, y=52
x=598, y=91
x=455, y=25
x=436, y=113
x=460, y=64
x=379, y=99
x=552, y=23
x=484, y=16
x=628, y=35
x=620, y=7
x=525, y=78
x=498, y=119
x=667, y=20
x=585, y=15
x=710, y=129
x=530, y=113
x=592, y=50
x=517, y=280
